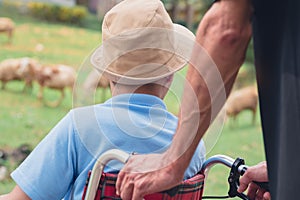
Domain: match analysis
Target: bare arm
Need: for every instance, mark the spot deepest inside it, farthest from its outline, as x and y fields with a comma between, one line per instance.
x=224, y=33
x=16, y=194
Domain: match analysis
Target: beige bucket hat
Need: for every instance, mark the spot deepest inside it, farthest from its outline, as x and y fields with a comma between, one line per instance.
x=140, y=43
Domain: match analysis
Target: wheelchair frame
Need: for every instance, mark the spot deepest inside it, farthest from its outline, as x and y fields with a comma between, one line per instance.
x=238, y=168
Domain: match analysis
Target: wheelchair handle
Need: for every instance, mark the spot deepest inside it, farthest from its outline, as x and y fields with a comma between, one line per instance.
x=113, y=154
x=221, y=159
x=238, y=168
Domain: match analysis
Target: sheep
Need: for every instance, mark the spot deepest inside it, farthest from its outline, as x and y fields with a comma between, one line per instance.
x=22, y=69
x=8, y=26
x=94, y=81
x=56, y=77
x=242, y=99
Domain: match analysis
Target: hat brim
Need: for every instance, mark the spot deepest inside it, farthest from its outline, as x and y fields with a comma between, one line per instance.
x=183, y=42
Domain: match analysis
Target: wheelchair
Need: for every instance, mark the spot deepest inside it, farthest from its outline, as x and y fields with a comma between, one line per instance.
x=101, y=186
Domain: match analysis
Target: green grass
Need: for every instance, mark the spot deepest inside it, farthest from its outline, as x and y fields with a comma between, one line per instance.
x=68, y=44
x=23, y=119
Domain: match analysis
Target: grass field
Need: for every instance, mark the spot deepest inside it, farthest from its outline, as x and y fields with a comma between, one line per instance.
x=23, y=119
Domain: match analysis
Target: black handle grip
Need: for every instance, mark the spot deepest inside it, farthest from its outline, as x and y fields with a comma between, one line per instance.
x=263, y=185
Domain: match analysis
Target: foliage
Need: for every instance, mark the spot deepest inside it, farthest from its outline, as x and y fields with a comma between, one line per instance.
x=47, y=11
x=53, y=12
x=20, y=12
x=12, y=4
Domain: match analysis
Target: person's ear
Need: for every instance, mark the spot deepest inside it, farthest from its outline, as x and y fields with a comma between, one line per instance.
x=112, y=86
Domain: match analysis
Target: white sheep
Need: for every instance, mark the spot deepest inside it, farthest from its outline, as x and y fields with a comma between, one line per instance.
x=7, y=26
x=22, y=69
x=56, y=77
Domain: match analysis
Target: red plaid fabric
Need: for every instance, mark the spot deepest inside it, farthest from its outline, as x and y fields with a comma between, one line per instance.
x=187, y=190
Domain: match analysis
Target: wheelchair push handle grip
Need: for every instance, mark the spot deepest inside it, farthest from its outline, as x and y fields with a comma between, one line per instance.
x=263, y=185
x=113, y=154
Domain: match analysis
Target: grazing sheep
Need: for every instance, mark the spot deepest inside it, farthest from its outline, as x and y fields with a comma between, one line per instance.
x=7, y=26
x=22, y=69
x=94, y=81
x=55, y=77
x=242, y=99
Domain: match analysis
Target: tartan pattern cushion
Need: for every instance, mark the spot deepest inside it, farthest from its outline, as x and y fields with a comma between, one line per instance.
x=187, y=190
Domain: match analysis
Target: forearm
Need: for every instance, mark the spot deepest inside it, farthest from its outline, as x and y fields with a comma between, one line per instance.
x=224, y=33
x=16, y=194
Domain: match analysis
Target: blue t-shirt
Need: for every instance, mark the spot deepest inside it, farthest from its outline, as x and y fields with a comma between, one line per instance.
x=58, y=167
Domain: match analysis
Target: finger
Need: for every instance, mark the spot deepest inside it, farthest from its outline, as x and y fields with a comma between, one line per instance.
x=258, y=198
x=125, y=184
x=119, y=182
x=244, y=182
x=252, y=189
x=267, y=196
x=242, y=187
x=137, y=193
x=126, y=189
x=260, y=193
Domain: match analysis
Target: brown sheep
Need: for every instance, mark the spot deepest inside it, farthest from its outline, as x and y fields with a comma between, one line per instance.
x=7, y=26
x=22, y=69
x=242, y=99
x=92, y=82
x=56, y=77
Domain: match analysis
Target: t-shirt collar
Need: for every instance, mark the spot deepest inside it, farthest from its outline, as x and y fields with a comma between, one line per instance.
x=136, y=98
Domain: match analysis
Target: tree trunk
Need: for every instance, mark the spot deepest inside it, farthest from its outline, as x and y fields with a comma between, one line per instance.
x=82, y=2
x=189, y=15
x=174, y=10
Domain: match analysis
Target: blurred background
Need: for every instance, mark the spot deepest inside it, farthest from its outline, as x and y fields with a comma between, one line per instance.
x=44, y=38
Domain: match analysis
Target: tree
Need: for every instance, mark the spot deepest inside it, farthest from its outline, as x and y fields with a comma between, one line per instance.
x=82, y=2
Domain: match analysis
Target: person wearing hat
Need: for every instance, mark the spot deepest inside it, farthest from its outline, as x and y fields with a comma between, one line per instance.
x=140, y=52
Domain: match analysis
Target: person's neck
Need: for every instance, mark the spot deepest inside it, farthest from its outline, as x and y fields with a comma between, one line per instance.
x=144, y=89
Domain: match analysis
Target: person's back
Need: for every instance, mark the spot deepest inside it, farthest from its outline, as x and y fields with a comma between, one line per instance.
x=131, y=122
